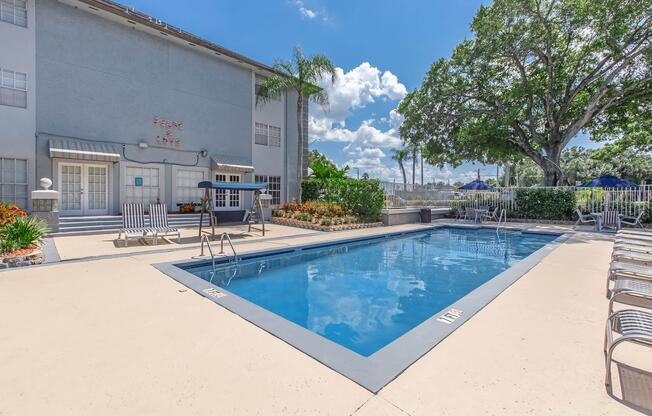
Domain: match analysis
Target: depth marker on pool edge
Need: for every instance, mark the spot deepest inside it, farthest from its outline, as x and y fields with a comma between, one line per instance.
x=450, y=316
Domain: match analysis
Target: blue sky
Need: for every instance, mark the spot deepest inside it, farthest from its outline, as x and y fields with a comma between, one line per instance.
x=382, y=49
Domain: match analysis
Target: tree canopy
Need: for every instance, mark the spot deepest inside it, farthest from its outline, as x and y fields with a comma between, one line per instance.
x=301, y=75
x=534, y=75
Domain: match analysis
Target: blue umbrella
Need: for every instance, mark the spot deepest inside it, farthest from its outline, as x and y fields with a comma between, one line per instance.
x=609, y=181
x=477, y=185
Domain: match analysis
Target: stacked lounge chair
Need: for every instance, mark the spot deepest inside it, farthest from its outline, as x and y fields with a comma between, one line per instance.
x=631, y=276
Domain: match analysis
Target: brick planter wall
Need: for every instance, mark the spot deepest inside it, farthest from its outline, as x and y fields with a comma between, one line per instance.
x=317, y=227
x=35, y=257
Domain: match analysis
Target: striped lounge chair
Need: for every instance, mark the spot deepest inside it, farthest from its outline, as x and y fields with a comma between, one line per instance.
x=133, y=223
x=158, y=222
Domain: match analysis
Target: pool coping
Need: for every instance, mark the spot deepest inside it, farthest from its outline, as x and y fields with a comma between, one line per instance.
x=379, y=369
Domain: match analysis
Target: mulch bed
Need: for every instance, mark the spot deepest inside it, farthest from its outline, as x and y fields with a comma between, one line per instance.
x=318, y=227
x=20, y=252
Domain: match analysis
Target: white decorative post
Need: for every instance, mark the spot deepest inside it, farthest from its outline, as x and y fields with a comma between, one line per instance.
x=45, y=204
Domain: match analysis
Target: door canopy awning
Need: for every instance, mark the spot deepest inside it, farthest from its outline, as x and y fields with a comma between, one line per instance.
x=230, y=164
x=238, y=186
x=84, y=150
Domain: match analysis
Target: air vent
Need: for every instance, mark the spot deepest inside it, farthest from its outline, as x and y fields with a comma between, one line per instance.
x=132, y=22
x=93, y=8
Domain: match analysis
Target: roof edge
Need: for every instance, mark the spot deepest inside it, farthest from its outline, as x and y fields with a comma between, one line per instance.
x=134, y=15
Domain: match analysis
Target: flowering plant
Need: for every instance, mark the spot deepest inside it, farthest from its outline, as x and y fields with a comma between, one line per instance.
x=9, y=213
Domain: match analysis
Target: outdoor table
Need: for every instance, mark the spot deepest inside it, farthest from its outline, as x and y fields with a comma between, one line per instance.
x=598, y=220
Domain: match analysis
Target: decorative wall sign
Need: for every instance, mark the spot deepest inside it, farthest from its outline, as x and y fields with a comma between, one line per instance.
x=138, y=181
x=168, y=135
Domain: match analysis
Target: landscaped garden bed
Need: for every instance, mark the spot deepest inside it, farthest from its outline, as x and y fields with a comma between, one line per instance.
x=20, y=237
x=320, y=216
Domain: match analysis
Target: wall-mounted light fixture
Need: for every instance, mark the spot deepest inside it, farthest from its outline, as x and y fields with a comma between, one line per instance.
x=203, y=153
x=143, y=145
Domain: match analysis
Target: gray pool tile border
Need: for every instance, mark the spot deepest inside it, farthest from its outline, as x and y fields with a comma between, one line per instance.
x=376, y=371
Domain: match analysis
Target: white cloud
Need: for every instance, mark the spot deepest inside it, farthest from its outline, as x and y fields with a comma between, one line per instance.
x=310, y=13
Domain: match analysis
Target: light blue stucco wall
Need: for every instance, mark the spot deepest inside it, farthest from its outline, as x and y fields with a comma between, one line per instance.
x=102, y=80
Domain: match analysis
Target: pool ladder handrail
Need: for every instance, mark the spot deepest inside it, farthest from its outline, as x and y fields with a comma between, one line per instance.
x=205, y=239
x=503, y=213
x=235, y=255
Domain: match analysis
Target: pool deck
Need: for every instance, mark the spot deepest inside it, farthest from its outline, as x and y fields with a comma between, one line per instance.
x=105, y=333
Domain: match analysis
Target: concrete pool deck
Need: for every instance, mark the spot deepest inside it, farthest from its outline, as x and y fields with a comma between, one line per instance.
x=115, y=336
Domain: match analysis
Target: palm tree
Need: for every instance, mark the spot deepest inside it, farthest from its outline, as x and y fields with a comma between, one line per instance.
x=401, y=156
x=300, y=75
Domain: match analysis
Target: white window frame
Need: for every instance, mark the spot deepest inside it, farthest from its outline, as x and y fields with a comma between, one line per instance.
x=261, y=134
x=8, y=81
x=176, y=169
x=274, y=141
x=123, y=179
x=14, y=183
x=259, y=79
x=275, y=201
x=10, y=16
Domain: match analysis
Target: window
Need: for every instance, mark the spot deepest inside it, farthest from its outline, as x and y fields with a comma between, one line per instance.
x=273, y=187
x=14, y=12
x=13, y=88
x=261, y=134
x=259, y=81
x=274, y=136
x=13, y=181
x=227, y=198
x=187, y=190
x=142, y=185
x=268, y=135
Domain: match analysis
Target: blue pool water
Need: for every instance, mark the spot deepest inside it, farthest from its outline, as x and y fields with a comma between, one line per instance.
x=365, y=294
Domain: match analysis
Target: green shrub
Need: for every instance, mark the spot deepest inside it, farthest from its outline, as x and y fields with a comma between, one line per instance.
x=22, y=232
x=310, y=189
x=364, y=197
x=545, y=203
x=326, y=222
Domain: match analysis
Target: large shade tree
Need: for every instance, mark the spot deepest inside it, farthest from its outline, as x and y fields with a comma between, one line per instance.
x=302, y=75
x=535, y=74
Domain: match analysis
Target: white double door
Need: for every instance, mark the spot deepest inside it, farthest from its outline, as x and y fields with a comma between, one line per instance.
x=83, y=189
x=227, y=199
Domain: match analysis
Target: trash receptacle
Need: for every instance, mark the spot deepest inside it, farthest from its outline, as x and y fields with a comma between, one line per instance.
x=426, y=215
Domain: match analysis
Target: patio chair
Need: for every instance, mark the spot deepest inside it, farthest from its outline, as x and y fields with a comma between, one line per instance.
x=609, y=219
x=633, y=326
x=133, y=223
x=584, y=218
x=158, y=221
x=461, y=213
x=631, y=292
x=633, y=220
x=491, y=215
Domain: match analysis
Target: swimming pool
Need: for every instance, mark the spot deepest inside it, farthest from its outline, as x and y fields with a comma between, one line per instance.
x=366, y=296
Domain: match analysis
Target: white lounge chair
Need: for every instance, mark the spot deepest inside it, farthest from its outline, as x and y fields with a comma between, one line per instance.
x=629, y=256
x=158, y=221
x=633, y=220
x=623, y=270
x=633, y=326
x=133, y=223
x=584, y=218
x=631, y=292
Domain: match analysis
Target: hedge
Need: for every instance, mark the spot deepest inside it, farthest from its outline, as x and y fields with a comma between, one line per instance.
x=364, y=197
x=545, y=204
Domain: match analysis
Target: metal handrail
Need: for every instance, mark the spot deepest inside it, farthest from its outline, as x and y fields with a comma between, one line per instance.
x=235, y=255
x=503, y=213
x=204, y=239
